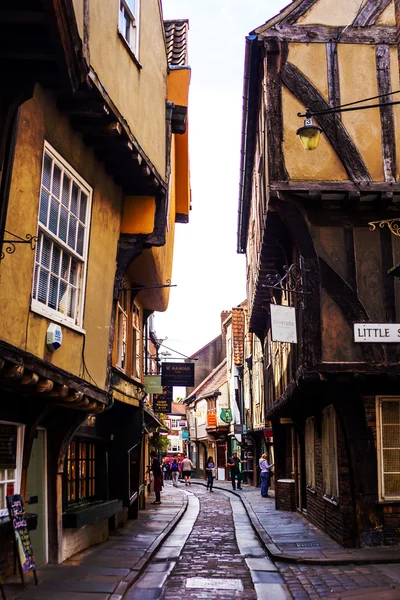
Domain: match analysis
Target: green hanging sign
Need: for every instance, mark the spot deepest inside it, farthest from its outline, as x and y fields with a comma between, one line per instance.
x=226, y=415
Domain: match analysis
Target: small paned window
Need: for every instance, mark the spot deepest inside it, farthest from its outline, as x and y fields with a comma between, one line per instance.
x=121, y=331
x=136, y=342
x=175, y=444
x=388, y=421
x=129, y=23
x=81, y=472
x=310, y=452
x=62, y=246
x=329, y=453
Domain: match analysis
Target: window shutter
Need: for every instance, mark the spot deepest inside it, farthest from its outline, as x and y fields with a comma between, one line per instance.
x=310, y=452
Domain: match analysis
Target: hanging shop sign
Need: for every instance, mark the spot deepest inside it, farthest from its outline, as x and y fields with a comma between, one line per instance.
x=382, y=333
x=182, y=423
x=24, y=551
x=212, y=420
x=283, y=324
x=226, y=415
x=185, y=434
x=162, y=402
x=177, y=374
x=152, y=384
x=238, y=428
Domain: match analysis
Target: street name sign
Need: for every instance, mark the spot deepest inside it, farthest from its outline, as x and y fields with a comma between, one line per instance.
x=383, y=333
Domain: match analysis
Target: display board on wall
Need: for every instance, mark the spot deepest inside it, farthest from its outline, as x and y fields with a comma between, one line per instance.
x=8, y=446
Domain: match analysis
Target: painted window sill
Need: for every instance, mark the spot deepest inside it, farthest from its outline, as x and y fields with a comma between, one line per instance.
x=129, y=50
x=311, y=489
x=331, y=500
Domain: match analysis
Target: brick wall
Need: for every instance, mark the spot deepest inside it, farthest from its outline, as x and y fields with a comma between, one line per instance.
x=337, y=521
x=285, y=495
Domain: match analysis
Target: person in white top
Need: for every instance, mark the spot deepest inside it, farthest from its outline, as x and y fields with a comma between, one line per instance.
x=265, y=468
x=186, y=467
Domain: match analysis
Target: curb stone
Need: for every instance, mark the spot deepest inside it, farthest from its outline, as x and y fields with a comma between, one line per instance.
x=276, y=555
x=141, y=565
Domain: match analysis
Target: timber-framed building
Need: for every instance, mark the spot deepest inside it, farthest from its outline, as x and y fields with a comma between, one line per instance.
x=333, y=400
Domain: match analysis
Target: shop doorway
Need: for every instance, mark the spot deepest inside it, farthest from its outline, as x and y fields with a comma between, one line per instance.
x=36, y=496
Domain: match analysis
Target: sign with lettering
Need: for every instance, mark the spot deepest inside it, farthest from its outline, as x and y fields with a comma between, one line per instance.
x=178, y=374
x=283, y=324
x=162, y=402
x=212, y=420
x=152, y=383
x=226, y=415
x=378, y=333
x=16, y=510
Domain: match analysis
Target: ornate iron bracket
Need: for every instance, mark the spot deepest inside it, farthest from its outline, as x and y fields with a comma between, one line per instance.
x=393, y=224
x=10, y=247
x=292, y=281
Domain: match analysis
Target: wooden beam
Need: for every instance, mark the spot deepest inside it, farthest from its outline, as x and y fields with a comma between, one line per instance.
x=334, y=129
x=44, y=386
x=274, y=64
x=386, y=113
x=78, y=107
x=59, y=391
x=333, y=74
x=22, y=17
x=29, y=379
x=12, y=372
x=73, y=397
x=299, y=11
x=370, y=12
x=323, y=34
x=334, y=186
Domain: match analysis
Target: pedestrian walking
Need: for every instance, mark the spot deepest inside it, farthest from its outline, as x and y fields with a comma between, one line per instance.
x=210, y=472
x=265, y=469
x=187, y=466
x=174, y=471
x=166, y=470
x=233, y=464
x=158, y=479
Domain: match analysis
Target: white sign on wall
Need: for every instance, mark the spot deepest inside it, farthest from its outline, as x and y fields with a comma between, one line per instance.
x=377, y=332
x=283, y=324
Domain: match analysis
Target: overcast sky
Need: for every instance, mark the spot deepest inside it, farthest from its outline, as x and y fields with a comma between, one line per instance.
x=209, y=274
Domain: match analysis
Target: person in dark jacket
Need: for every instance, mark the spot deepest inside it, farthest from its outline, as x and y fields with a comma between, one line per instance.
x=158, y=479
x=233, y=464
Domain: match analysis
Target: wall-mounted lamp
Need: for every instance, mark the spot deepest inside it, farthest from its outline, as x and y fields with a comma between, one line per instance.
x=310, y=133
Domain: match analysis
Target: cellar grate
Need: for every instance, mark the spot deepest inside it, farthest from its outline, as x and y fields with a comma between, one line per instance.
x=308, y=545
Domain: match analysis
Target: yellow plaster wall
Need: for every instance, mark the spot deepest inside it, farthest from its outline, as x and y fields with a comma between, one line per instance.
x=138, y=215
x=357, y=75
x=320, y=164
x=182, y=174
x=311, y=60
x=78, y=8
x=388, y=16
x=326, y=12
x=178, y=86
x=139, y=93
x=40, y=120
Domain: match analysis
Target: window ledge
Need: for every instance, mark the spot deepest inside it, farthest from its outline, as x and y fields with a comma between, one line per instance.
x=55, y=317
x=130, y=51
x=388, y=502
x=79, y=516
x=331, y=500
x=311, y=489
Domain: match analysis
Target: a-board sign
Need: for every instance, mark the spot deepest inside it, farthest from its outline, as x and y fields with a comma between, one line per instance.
x=16, y=510
x=162, y=402
x=178, y=374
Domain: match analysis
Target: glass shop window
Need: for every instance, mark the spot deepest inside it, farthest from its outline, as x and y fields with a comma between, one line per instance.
x=9, y=483
x=81, y=472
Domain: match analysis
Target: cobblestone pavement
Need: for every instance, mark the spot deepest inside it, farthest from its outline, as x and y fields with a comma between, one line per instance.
x=211, y=553
x=315, y=582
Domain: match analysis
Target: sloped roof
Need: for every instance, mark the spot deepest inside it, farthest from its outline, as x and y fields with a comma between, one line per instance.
x=177, y=409
x=204, y=347
x=176, y=35
x=210, y=384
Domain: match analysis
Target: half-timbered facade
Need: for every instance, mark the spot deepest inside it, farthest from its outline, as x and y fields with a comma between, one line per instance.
x=333, y=397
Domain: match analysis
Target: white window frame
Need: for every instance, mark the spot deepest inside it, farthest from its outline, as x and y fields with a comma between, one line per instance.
x=175, y=443
x=18, y=469
x=175, y=422
x=383, y=497
x=136, y=342
x=122, y=333
x=309, y=441
x=329, y=449
x=37, y=306
x=126, y=11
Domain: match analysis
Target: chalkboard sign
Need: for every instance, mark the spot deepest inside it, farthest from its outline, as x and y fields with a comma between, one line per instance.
x=16, y=510
x=8, y=446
